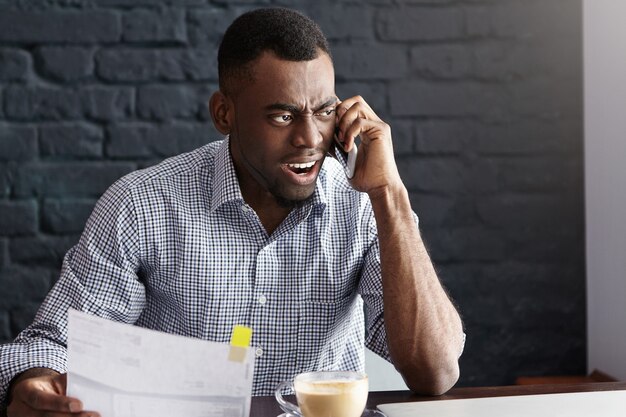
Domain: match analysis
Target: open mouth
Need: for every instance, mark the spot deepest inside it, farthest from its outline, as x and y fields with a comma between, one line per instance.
x=301, y=168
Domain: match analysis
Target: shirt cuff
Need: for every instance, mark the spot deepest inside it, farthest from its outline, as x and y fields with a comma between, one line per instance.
x=18, y=357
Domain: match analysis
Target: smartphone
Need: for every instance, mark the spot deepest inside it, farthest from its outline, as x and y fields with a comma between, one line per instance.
x=347, y=159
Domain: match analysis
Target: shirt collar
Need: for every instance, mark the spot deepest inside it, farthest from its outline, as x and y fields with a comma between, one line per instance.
x=225, y=185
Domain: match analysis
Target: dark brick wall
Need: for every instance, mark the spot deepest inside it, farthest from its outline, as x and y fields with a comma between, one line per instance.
x=484, y=99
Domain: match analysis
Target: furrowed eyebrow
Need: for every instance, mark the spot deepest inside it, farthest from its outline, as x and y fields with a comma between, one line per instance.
x=283, y=106
x=295, y=109
x=327, y=103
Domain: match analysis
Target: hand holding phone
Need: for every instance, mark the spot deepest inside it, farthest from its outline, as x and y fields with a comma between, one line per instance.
x=359, y=125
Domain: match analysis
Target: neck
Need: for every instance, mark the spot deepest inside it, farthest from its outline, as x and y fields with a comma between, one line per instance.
x=269, y=210
x=271, y=218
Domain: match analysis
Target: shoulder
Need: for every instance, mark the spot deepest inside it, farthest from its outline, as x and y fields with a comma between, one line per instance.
x=179, y=166
x=191, y=169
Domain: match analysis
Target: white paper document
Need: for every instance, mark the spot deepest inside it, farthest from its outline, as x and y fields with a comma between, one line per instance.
x=121, y=370
x=577, y=404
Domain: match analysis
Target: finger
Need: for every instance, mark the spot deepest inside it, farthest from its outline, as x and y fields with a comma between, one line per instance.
x=86, y=414
x=353, y=117
x=346, y=104
x=28, y=411
x=349, y=102
x=358, y=109
x=346, y=120
x=368, y=130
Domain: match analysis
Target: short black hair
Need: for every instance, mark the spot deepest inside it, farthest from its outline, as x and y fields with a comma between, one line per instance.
x=287, y=33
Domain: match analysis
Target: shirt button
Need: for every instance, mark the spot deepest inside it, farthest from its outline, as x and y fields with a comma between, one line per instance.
x=245, y=208
x=259, y=352
x=262, y=299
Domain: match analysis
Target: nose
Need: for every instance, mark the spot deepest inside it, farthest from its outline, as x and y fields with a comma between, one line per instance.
x=306, y=134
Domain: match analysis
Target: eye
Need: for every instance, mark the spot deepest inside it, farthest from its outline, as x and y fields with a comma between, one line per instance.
x=325, y=112
x=282, y=118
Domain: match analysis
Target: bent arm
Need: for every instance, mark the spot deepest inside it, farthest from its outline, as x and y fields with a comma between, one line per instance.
x=98, y=276
x=424, y=330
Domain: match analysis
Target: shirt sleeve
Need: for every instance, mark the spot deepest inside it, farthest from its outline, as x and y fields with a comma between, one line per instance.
x=371, y=290
x=99, y=276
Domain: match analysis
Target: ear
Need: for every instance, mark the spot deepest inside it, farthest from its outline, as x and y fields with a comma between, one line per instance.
x=221, y=111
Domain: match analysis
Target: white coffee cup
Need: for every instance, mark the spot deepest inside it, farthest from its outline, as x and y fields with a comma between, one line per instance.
x=327, y=394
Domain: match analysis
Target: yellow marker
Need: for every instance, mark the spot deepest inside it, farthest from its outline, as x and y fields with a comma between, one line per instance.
x=239, y=343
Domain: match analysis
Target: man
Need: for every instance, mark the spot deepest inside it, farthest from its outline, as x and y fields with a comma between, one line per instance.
x=259, y=229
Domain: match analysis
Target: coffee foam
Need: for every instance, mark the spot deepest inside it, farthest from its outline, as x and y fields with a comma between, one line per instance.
x=332, y=386
x=332, y=398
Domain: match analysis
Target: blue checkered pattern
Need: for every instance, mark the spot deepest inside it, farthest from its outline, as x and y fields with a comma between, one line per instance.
x=175, y=248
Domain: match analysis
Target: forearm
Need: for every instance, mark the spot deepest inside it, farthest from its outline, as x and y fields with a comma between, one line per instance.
x=424, y=330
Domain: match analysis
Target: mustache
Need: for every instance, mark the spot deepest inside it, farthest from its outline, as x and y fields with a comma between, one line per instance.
x=310, y=153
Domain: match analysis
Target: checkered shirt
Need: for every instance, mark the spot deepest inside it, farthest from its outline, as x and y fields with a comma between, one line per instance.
x=175, y=248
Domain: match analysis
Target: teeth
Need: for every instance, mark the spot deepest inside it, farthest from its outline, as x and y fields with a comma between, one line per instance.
x=302, y=166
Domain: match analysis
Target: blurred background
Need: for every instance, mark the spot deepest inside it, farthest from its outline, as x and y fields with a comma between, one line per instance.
x=485, y=100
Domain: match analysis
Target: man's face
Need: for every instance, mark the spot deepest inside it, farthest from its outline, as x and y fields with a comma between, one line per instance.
x=283, y=126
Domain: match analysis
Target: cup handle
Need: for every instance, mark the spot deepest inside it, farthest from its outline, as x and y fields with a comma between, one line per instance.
x=286, y=406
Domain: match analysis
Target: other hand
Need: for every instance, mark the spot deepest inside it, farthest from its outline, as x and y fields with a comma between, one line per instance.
x=41, y=392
